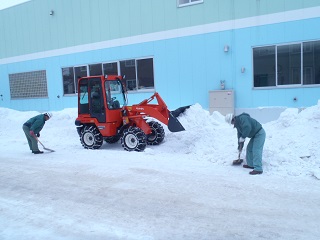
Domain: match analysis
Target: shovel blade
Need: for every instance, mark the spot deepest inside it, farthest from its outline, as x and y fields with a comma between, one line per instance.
x=237, y=162
x=48, y=149
x=174, y=125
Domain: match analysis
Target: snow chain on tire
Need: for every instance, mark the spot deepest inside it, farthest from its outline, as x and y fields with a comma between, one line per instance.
x=91, y=138
x=133, y=139
x=157, y=134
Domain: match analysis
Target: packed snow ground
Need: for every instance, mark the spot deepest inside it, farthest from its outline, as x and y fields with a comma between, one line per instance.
x=185, y=188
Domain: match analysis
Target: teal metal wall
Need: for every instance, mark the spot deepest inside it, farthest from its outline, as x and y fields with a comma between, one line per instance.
x=186, y=44
x=28, y=28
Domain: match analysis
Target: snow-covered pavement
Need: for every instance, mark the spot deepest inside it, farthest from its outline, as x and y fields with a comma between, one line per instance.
x=45, y=197
x=184, y=188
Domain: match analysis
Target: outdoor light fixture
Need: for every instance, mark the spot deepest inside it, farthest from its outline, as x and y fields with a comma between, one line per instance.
x=51, y=12
x=243, y=69
x=226, y=48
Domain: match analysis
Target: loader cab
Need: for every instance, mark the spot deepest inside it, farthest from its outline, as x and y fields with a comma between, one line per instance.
x=98, y=94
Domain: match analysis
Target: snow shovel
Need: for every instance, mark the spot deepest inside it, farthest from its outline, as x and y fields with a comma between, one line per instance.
x=238, y=161
x=48, y=149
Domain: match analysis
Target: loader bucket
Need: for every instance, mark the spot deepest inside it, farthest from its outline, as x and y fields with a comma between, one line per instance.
x=174, y=125
x=180, y=110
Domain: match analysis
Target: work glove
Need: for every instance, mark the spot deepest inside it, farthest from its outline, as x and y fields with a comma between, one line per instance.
x=32, y=133
x=38, y=134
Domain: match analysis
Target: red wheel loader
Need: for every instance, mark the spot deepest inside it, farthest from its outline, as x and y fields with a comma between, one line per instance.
x=103, y=114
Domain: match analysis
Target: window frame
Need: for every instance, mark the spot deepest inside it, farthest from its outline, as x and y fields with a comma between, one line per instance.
x=127, y=61
x=303, y=82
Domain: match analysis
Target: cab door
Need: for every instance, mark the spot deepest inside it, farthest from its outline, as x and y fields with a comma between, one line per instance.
x=83, y=99
x=96, y=100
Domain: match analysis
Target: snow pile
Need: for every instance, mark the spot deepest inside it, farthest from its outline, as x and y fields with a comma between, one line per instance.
x=292, y=142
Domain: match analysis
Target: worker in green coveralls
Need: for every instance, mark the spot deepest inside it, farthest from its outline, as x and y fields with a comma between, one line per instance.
x=247, y=127
x=32, y=129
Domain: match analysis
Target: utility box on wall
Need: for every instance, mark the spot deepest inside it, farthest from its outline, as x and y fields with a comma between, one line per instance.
x=221, y=101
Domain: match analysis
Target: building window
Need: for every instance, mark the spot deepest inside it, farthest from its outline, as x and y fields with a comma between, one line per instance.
x=264, y=60
x=95, y=69
x=287, y=65
x=68, y=80
x=128, y=69
x=145, y=73
x=138, y=73
x=70, y=76
x=182, y=3
x=311, y=62
x=28, y=85
x=110, y=68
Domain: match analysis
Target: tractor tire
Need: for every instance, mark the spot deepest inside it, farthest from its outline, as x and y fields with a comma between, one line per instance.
x=133, y=139
x=112, y=139
x=157, y=134
x=91, y=138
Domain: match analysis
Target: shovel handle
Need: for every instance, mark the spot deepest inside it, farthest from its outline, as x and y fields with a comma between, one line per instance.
x=39, y=141
x=48, y=149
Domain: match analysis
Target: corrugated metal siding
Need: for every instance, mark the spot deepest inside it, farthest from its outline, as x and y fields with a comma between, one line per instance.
x=28, y=28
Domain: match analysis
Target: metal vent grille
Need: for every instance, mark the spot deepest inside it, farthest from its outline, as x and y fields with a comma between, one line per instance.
x=28, y=85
